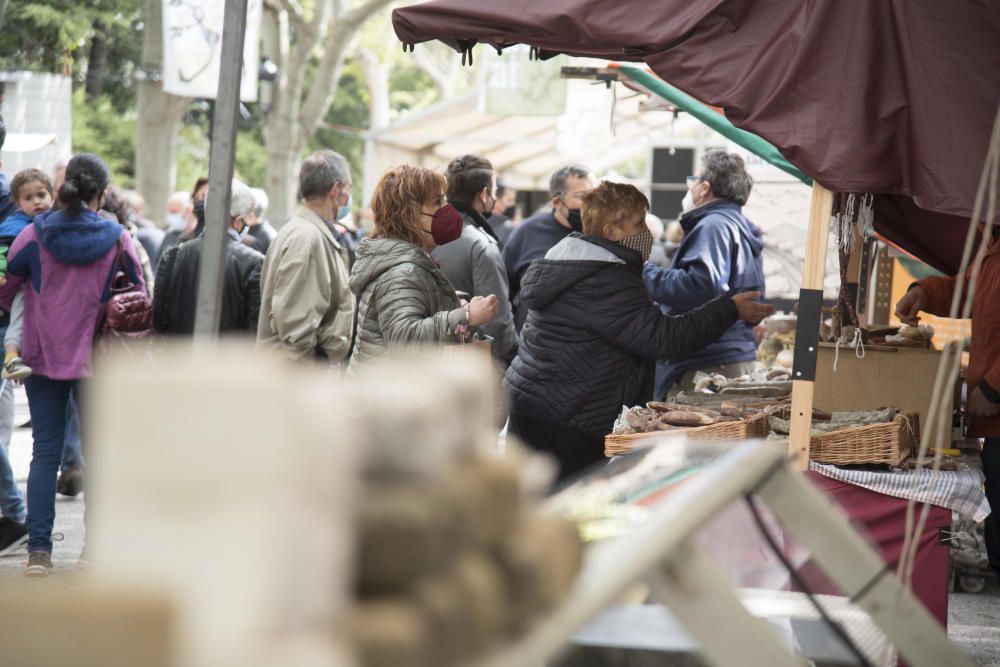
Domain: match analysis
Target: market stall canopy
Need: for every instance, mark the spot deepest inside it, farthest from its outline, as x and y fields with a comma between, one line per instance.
x=895, y=98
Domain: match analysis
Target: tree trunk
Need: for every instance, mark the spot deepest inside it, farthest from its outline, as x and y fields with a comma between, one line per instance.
x=97, y=63
x=283, y=158
x=298, y=113
x=3, y=12
x=159, y=117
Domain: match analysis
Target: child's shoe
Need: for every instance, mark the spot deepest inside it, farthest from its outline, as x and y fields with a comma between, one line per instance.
x=15, y=369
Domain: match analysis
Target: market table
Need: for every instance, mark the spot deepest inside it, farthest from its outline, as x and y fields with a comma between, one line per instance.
x=877, y=500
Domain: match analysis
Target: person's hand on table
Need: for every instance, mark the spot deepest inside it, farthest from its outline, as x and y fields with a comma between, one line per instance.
x=978, y=405
x=749, y=309
x=909, y=307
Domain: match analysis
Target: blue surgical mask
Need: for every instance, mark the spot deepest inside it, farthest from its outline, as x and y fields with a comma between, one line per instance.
x=344, y=210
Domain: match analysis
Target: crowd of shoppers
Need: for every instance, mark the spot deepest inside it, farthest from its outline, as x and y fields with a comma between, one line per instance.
x=568, y=300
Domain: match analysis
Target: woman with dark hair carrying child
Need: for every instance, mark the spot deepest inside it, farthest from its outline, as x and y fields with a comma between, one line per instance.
x=66, y=259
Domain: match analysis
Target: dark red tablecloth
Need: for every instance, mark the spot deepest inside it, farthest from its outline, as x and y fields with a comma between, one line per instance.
x=883, y=519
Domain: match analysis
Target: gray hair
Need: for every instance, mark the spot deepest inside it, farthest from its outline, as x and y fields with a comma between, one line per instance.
x=557, y=184
x=727, y=175
x=180, y=197
x=320, y=172
x=241, y=200
x=262, y=202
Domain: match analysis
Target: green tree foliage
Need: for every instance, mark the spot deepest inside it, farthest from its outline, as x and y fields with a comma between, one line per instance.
x=346, y=120
x=57, y=36
x=99, y=128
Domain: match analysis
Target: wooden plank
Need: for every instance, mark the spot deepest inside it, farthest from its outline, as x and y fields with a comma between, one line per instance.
x=817, y=240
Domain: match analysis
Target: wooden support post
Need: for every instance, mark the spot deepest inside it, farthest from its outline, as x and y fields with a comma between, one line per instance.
x=807, y=329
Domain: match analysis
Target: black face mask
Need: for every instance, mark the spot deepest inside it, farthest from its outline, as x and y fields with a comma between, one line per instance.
x=575, y=219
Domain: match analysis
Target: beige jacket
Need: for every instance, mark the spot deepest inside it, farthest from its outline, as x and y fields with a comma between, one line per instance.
x=307, y=308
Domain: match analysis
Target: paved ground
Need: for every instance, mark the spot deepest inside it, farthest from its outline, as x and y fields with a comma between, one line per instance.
x=69, y=511
x=974, y=619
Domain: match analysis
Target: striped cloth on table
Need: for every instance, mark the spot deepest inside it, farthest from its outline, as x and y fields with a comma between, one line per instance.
x=957, y=490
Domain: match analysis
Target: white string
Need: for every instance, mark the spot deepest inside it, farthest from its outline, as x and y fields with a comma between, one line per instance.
x=857, y=342
x=950, y=361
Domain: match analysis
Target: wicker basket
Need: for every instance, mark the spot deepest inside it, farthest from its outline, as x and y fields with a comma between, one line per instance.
x=752, y=427
x=889, y=443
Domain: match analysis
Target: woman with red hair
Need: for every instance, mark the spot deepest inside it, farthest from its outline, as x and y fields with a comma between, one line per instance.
x=403, y=297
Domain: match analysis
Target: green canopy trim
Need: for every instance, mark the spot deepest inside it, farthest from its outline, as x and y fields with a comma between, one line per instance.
x=713, y=119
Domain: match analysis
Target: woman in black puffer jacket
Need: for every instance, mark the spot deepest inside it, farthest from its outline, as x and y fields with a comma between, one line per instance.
x=593, y=334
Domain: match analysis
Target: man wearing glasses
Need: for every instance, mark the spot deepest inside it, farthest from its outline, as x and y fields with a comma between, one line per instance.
x=721, y=254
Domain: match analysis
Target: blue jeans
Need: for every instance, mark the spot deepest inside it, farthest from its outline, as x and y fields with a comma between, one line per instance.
x=49, y=401
x=72, y=450
x=11, y=500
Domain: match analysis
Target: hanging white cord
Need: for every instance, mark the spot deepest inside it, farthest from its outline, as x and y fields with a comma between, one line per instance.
x=857, y=342
x=951, y=356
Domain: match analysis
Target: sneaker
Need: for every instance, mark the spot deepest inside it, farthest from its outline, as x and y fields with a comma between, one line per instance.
x=70, y=481
x=15, y=369
x=39, y=564
x=13, y=535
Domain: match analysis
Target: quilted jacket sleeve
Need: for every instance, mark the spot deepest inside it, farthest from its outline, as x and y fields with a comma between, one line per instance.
x=630, y=320
x=404, y=310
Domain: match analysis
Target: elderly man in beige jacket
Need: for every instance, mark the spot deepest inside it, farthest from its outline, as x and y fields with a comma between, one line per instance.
x=307, y=308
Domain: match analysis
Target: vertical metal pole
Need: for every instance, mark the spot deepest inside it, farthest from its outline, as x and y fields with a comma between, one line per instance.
x=220, y=172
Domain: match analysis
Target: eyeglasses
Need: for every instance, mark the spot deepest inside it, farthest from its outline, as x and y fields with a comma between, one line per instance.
x=692, y=179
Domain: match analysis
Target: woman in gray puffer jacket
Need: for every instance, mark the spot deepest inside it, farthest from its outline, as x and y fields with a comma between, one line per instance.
x=403, y=298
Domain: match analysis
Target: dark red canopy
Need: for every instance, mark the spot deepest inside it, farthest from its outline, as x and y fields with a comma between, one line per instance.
x=894, y=97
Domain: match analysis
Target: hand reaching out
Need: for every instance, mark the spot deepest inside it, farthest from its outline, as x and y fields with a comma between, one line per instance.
x=749, y=309
x=909, y=307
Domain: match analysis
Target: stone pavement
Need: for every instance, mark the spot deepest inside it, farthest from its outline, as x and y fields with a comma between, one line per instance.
x=69, y=511
x=974, y=619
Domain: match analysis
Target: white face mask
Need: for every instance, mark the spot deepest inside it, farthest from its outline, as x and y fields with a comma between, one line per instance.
x=688, y=202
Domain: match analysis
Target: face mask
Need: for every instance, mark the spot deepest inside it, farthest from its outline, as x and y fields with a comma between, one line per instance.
x=574, y=219
x=688, y=203
x=446, y=224
x=175, y=220
x=642, y=243
x=344, y=210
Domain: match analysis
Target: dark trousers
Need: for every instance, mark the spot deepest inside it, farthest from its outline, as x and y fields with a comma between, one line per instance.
x=991, y=469
x=48, y=401
x=574, y=450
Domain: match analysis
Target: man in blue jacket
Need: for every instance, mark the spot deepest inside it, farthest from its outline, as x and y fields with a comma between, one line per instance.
x=720, y=255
